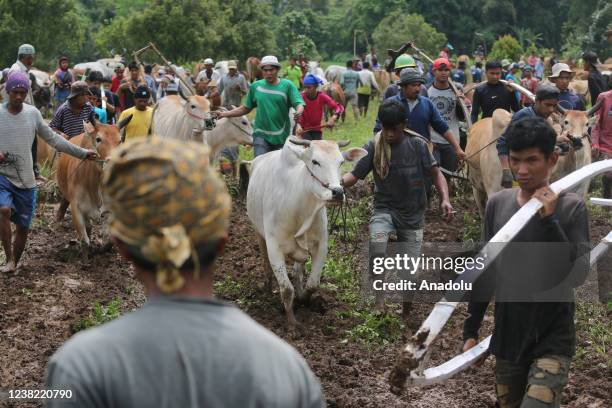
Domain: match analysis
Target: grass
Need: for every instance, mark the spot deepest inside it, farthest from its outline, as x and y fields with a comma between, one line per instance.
x=593, y=321
x=100, y=314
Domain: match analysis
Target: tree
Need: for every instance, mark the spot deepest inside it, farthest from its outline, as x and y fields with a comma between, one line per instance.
x=295, y=29
x=28, y=21
x=506, y=47
x=397, y=28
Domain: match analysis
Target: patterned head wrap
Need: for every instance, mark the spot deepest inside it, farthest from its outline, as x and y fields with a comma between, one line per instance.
x=165, y=199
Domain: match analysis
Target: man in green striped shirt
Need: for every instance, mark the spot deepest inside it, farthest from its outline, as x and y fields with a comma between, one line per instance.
x=293, y=73
x=272, y=97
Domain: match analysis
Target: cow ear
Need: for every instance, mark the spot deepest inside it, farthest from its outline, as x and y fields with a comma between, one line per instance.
x=592, y=120
x=88, y=127
x=354, y=154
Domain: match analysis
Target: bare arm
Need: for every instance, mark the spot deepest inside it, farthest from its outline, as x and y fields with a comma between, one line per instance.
x=448, y=135
x=236, y=112
x=349, y=179
x=440, y=183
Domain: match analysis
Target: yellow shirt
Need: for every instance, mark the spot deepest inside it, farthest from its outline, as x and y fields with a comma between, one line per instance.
x=140, y=123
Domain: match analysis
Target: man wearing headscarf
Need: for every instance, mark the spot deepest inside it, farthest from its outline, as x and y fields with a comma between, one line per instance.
x=183, y=348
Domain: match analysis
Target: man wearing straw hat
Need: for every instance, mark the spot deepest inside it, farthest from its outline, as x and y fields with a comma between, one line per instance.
x=561, y=77
x=183, y=348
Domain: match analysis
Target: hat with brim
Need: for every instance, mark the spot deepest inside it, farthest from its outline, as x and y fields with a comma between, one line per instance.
x=558, y=68
x=232, y=65
x=410, y=76
x=269, y=60
x=79, y=88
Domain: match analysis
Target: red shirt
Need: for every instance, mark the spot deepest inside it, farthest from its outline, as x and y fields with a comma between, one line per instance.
x=313, y=111
x=602, y=131
x=531, y=84
x=115, y=84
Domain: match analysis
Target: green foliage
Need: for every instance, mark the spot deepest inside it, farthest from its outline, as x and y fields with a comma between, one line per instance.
x=100, y=315
x=594, y=329
x=375, y=329
x=526, y=37
x=506, y=47
x=398, y=27
x=295, y=29
x=53, y=27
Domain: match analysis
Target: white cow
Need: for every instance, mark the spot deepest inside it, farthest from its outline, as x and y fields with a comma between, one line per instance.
x=286, y=198
x=181, y=118
x=228, y=132
x=105, y=65
x=315, y=69
x=333, y=73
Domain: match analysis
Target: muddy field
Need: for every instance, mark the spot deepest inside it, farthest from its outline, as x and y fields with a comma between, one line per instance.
x=58, y=284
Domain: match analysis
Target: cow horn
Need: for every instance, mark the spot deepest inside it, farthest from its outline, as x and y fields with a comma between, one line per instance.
x=343, y=143
x=519, y=88
x=123, y=122
x=594, y=108
x=301, y=142
x=561, y=109
x=180, y=92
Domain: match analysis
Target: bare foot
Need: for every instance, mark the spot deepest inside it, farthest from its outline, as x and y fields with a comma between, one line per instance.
x=10, y=267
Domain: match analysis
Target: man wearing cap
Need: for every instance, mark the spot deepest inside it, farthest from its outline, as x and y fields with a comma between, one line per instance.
x=70, y=116
x=309, y=124
x=25, y=60
x=445, y=101
x=421, y=114
x=529, y=82
x=141, y=115
x=403, y=61
x=561, y=77
x=184, y=347
x=128, y=86
x=293, y=73
x=19, y=125
x=232, y=86
x=208, y=74
x=547, y=98
x=492, y=94
x=272, y=96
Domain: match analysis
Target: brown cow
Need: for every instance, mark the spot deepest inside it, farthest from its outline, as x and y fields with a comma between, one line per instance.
x=79, y=181
x=334, y=90
x=253, y=72
x=484, y=167
x=383, y=79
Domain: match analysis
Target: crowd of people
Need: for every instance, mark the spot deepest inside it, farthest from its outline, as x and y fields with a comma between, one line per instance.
x=209, y=349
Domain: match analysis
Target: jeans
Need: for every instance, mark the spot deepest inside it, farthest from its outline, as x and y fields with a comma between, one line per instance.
x=536, y=384
x=261, y=146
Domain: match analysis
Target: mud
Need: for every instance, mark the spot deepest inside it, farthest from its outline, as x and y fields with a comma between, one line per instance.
x=59, y=282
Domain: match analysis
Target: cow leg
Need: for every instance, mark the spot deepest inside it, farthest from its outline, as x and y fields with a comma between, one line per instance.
x=269, y=275
x=78, y=220
x=319, y=254
x=61, y=210
x=481, y=201
x=277, y=262
x=298, y=279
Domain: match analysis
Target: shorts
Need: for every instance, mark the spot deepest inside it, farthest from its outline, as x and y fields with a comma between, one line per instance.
x=351, y=98
x=312, y=135
x=363, y=100
x=445, y=156
x=21, y=201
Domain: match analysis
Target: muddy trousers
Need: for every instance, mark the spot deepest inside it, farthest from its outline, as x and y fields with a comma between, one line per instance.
x=538, y=384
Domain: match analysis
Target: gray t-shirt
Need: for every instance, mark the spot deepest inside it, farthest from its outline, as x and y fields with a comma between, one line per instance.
x=402, y=193
x=445, y=101
x=227, y=88
x=181, y=352
x=17, y=134
x=350, y=81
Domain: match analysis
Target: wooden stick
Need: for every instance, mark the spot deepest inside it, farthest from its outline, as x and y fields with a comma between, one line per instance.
x=170, y=67
x=412, y=355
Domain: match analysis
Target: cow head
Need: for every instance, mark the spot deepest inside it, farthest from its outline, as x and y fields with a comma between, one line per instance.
x=576, y=127
x=240, y=131
x=197, y=109
x=323, y=161
x=102, y=138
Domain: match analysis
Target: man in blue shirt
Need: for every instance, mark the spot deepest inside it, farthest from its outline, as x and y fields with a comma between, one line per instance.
x=561, y=77
x=547, y=98
x=420, y=111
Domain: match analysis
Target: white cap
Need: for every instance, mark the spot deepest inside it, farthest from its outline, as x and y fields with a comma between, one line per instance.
x=560, y=67
x=26, y=49
x=208, y=61
x=269, y=60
